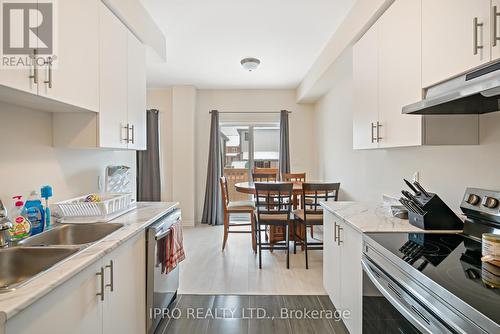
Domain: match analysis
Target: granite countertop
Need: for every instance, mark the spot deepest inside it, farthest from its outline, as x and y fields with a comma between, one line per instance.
x=134, y=222
x=373, y=217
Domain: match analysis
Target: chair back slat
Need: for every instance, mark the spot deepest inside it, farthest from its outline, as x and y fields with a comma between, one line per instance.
x=224, y=191
x=294, y=177
x=273, y=198
x=314, y=193
x=264, y=177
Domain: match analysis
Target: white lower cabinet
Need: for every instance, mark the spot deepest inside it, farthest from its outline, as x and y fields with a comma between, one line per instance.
x=342, y=271
x=125, y=307
x=74, y=307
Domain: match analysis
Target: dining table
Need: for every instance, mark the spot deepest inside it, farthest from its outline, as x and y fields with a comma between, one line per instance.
x=276, y=233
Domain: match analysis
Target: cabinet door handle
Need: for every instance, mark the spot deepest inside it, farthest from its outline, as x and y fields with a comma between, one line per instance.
x=101, y=274
x=494, y=21
x=126, y=139
x=111, y=276
x=132, y=140
x=34, y=76
x=373, y=126
x=378, y=131
x=339, y=241
x=476, y=26
x=49, y=63
x=334, y=231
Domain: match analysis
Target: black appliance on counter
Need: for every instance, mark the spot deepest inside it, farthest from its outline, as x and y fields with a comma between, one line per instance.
x=434, y=282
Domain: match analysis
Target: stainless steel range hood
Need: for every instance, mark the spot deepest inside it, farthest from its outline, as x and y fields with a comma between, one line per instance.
x=477, y=92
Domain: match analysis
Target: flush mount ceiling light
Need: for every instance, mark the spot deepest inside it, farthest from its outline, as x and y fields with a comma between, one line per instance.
x=250, y=64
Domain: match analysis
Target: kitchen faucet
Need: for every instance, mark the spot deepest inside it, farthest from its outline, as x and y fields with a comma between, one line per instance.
x=5, y=226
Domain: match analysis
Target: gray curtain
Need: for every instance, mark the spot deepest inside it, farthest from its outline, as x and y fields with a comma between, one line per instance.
x=284, y=143
x=212, y=208
x=148, y=162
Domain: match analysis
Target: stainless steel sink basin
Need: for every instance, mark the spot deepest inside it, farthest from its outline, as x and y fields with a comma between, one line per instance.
x=72, y=234
x=19, y=264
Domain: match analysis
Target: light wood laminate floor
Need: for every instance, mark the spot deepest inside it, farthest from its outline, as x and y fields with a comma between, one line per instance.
x=209, y=270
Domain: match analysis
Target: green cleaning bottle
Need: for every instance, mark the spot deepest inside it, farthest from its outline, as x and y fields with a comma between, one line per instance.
x=21, y=226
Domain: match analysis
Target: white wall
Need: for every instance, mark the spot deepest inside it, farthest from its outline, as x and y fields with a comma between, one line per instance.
x=177, y=150
x=301, y=127
x=28, y=160
x=183, y=154
x=367, y=174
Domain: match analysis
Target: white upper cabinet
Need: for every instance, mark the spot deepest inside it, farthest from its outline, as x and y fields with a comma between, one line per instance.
x=455, y=38
x=74, y=78
x=495, y=29
x=113, y=130
x=365, y=90
x=21, y=78
x=387, y=75
x=400, y=70
x=136, y=93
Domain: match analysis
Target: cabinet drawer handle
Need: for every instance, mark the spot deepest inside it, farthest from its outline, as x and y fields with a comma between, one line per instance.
x=111, y=276
x=494, y=21
x=101, y=274
x=34, y=76
x=49, y=63
x=476, y=26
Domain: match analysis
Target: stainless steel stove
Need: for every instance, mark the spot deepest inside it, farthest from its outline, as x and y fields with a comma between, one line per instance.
x=434, y=283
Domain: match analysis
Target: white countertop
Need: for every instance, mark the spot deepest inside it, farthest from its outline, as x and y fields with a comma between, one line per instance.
x=372, y=217
x=134, y=222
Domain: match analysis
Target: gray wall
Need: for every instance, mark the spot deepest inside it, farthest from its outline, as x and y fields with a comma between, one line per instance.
x=365, y=175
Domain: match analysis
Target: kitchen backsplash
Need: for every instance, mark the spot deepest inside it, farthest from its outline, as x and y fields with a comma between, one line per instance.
x=28, y=160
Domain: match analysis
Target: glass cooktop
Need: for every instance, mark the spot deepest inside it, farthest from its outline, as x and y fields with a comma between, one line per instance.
x=454, y=262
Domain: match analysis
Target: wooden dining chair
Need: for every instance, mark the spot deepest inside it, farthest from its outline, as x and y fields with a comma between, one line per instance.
x=234, y=208
x=264, y=174
x=294, y=177
x=273, y=203
x=312, y=213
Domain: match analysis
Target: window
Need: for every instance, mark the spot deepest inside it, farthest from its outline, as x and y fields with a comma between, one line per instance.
x=246, y=146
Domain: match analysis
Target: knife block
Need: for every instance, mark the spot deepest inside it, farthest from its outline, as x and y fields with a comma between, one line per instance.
x=437, y=215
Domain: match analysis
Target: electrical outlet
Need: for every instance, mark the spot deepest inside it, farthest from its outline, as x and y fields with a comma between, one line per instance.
x=416, y=177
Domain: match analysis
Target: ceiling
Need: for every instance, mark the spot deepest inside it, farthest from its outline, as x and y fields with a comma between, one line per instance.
x=206, y=39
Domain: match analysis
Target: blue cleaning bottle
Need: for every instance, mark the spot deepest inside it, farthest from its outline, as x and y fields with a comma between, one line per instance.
x=46, y=192
x=35, y=213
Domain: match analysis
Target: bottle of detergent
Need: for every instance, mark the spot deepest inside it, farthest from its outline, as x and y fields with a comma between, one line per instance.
x=21, y=226
x=35, y=212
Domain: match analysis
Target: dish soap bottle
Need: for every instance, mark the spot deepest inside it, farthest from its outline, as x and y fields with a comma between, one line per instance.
x=21, y=226
x=35, y=213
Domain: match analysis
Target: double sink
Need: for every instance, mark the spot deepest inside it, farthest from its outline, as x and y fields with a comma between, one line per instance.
x=34, y=255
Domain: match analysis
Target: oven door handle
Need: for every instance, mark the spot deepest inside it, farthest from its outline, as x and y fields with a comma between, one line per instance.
x=163, y=234
x=394, y=299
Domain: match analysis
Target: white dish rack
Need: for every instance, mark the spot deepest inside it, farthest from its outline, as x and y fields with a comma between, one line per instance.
x=111, y=206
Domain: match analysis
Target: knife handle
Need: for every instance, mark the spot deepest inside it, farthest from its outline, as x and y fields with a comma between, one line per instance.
x=411, y=186
x=419, y=187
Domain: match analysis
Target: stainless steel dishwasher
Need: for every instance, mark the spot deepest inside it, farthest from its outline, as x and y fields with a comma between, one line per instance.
x=161, y=289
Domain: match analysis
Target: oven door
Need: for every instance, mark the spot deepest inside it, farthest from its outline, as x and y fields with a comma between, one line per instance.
x=388, y=308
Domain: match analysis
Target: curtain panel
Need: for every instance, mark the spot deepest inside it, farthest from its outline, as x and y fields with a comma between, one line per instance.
x=284, y=157
x=148, y=162
x=212, y=207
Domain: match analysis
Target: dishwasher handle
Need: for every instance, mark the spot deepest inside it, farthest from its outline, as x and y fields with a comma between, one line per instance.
x=163, y=234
